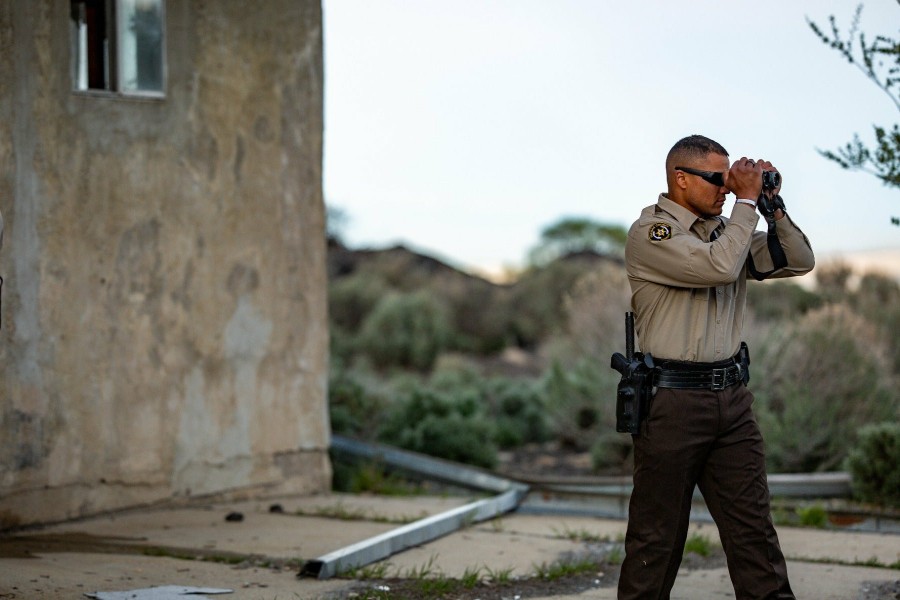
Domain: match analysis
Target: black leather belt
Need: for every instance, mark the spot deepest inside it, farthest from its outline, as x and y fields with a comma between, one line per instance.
x=687, y=376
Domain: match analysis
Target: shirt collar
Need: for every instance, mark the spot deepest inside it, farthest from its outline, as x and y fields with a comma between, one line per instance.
x=684, y=217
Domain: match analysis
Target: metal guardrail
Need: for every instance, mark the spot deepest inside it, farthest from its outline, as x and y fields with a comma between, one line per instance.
x=433, y=469
x=810, y=485
x=785, y=485
x=607, y=497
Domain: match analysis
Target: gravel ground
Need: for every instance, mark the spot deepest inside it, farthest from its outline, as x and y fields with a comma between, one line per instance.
x=390, y=589
x=605, y=576
x=880, y=590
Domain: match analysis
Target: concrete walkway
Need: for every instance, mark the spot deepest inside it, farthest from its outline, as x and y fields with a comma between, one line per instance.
x=100, y=554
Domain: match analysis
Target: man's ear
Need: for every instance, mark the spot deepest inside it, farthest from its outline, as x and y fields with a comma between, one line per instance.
x=681, y=180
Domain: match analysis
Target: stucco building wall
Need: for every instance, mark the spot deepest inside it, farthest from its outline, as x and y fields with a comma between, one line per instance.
x=164, y=312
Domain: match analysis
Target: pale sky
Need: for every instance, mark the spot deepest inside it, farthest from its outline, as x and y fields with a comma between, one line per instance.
x=463, y=127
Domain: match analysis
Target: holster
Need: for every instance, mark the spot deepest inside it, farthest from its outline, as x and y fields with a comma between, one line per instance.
x=634, y=392
x=743, y=361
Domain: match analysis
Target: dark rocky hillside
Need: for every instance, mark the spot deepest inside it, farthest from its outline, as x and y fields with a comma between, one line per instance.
x=492, y=316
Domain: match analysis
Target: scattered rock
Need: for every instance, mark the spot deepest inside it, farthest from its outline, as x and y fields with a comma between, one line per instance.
x=879, y=590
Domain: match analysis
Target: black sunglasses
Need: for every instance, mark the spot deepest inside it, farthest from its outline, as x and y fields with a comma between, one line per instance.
x=713, y=177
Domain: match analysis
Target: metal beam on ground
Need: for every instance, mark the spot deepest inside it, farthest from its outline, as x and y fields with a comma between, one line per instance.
x=424, y=530
x=510, y=495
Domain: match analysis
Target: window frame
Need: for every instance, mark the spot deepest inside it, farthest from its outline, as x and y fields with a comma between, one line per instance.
x=81, y=58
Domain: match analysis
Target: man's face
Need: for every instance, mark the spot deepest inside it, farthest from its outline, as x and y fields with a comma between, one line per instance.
x=703, y=198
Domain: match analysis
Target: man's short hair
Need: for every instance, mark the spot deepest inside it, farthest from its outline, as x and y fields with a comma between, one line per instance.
x=693, y=147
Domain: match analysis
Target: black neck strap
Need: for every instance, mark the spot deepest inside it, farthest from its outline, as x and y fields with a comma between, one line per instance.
x=779, y=260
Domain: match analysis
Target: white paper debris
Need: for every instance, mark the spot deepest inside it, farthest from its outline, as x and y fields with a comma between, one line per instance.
x=163, y=592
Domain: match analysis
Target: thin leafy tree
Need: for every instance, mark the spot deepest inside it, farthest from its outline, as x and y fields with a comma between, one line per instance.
x=571, y=235
x=879, y=61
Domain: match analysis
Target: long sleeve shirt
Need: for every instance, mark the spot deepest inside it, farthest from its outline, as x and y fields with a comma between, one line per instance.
x=689, y=284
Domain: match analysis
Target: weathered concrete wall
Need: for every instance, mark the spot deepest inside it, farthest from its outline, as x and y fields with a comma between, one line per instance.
x=164, y=312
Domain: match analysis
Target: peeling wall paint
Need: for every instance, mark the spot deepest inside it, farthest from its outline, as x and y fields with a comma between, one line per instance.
x=163, y=312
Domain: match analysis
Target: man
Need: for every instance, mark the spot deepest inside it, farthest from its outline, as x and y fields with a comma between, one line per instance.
x=688, y=270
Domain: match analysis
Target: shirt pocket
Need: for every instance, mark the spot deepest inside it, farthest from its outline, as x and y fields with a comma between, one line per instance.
x=703, y=294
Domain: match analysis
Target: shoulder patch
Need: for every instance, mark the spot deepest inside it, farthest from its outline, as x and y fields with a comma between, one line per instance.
x=660, y=232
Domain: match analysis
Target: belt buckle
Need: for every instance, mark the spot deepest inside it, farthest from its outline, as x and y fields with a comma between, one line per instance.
x=717, y=381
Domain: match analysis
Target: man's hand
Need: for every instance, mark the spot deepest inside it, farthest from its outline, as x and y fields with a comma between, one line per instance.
x=744, y=179
x=770, y=194
x=767, y=166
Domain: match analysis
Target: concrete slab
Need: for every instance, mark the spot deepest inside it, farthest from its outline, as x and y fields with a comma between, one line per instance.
x=821, y=582
x=516, y=543
x=65, y=576
x=278, y=535
x=839, y=546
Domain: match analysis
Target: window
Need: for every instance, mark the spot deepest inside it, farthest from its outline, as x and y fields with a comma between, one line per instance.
x=119, y=46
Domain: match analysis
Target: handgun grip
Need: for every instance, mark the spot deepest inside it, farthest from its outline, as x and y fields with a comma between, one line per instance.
x=619, y=363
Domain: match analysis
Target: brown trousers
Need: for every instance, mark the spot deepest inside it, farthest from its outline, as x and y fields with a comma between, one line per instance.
x=711, y=439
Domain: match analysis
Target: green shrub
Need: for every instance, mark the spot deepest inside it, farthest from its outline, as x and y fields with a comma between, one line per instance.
x=612, y=452
x=832, y=279
x=451, y=426
x=354, y=406
x=581, y=406
x=874, y=464
x=458, y=379
x=781, y=300
x=595, y=309
x=479, y=317
x=877, y=299
x=575, y=404
x=536, y=301
x=358, y=477
x=518, y=409
x=455, y=414
x=341, y=346
x=352, y=298
x=698, y=544
x=806, y=434
x=818, y=381
x=813, y=516
x=405, y=330
x=581, y=388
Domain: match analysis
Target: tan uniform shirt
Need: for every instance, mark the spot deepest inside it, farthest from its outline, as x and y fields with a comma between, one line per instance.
x=688, y=293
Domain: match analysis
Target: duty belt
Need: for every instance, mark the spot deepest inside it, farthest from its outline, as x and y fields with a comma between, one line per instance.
x=697, y=376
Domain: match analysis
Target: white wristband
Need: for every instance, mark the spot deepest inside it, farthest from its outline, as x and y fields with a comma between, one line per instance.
x=747, y=202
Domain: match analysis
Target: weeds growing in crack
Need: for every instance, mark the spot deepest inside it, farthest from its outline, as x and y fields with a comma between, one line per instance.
x=565, y=568
x=699, y=544
x=580, y=535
